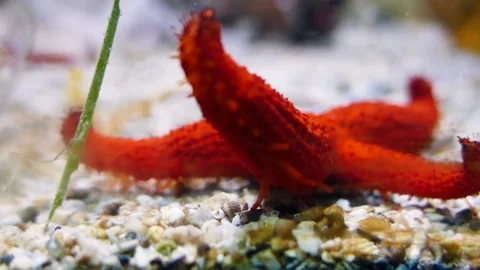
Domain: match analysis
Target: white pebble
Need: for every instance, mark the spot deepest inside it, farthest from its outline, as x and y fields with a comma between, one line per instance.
x=11, y=220
x=199, y=216
x=173, y=215
x=74, y=205
x=218, y=214
x=236, y=220
x=21, y=262
x=143, y=257
x=145, y=200
x=344, y=204
x=133, y=224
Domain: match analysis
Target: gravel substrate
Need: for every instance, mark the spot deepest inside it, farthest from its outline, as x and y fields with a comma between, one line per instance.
x=215, y=229
x=209, y=225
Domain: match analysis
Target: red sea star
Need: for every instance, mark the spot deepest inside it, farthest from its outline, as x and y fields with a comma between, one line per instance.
x=285, y=148
x=196, y=150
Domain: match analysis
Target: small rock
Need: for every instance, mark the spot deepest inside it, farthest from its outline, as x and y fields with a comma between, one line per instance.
x=6, y=259
x=109, y=208
x=344, y=204
x=21, y=262
x=74, y=205
x=306, y=237
x=173, y=215
x=155, y=233
x=218, y=214
x=127, y=246
x=474, y=225
x=133, y=224
x=143, y=257
x=251, y=216
x=199, y=216
x=78, y=194
x=123, y=259
x=266, y=259
x=145, y=200
x=28, y=214
x=11, y=220
x=131, y=236
x=462, y=216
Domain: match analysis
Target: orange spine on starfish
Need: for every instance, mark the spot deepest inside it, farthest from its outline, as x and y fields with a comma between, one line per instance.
x=194, y=150
x=366, y=166
x=276, y=142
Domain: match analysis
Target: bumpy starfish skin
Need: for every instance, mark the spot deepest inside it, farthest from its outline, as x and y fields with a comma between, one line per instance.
x=406, y=129
x=282, y=146
x=196, y=150
x=366, y=166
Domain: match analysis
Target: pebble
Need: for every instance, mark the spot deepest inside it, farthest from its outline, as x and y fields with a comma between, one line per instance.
x=462, y=216
x=6, y=259
x=74, y=205
x=11, y=220
x=173, y=215
x=78, y=194
x=145, y=200
x=199, y=216
x=155, y=233
x=123, y=259
x=133, y=224
x=306, y=238
x=143, y=256
x=344, y=204
x=21, y=262
x=109, y=208
x=218, y=214
x=127, y=246
x=28, y=214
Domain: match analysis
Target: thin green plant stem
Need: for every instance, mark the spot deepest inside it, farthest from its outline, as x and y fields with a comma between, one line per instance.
x=78, y=141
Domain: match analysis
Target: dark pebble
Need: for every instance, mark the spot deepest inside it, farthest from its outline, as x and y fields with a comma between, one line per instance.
x=77, y=194
x=174, y=264
x=46, y=264
x=112, y=208
x=383, y=264
x=252, y=251
x=178, y=264
x=438, y=266
x=448, y=218
x=6, y=259
x=251, y=216
x=28, y=214
x=203, y=248
x=408, y=266
x=131, y=236
x=463, y=216
x=111, y=267
x=474, y=224
x=123, y=259
x=292, y=264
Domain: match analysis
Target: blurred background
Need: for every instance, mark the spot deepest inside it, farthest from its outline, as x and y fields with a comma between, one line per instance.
x=319, y=53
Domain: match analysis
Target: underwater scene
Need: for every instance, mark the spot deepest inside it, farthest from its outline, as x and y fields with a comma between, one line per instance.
x=239, y=134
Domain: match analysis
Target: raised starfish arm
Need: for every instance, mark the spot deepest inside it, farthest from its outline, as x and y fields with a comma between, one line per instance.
x=274, y=140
